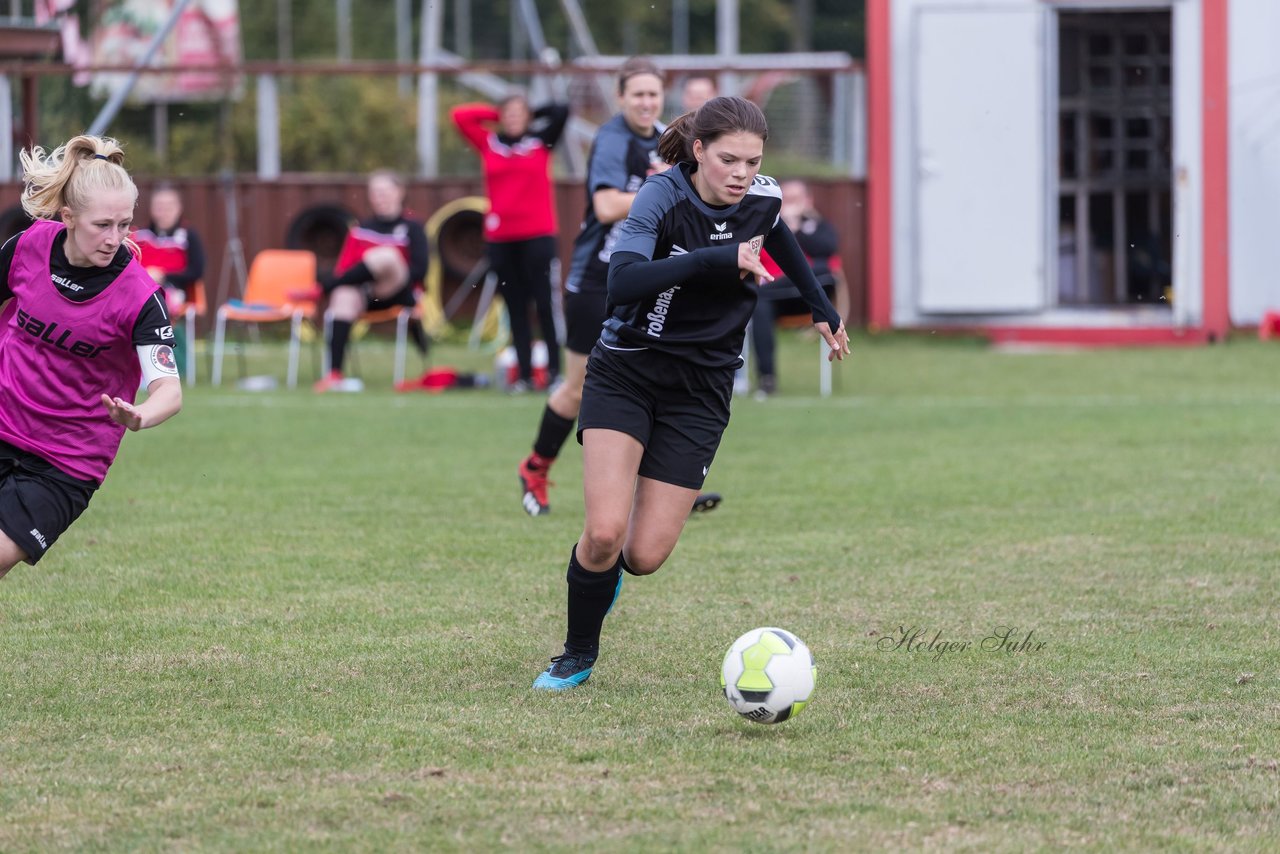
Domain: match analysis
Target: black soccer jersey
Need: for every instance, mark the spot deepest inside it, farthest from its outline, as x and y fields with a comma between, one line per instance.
x=695, y=303
x=619, y=160
x=410, y=230
x=81, y=284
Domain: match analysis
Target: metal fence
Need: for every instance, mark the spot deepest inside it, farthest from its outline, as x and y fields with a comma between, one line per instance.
x=815, y=104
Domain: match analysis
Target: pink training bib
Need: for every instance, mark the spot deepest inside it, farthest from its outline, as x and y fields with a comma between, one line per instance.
x=57, y=356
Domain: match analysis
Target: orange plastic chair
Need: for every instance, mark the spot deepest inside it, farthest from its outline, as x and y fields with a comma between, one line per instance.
x=273, y=276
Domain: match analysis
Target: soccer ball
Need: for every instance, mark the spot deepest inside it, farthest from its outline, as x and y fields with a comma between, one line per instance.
x=768, y=675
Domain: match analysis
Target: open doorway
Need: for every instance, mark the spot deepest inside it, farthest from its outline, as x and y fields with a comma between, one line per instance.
x=1115, y=178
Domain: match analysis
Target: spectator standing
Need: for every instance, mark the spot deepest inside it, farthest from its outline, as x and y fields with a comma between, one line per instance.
x=515, y=146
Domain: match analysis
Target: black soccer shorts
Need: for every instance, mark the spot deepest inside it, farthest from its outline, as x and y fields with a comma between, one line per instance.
x=38, y=502
x=676, y=410
x=584, y=315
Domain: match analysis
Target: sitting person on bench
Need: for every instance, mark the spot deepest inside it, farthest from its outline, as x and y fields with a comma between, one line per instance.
x=818, y=240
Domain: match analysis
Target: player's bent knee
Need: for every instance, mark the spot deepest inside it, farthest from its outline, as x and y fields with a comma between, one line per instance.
x=385, y=262
x=566, y=398
x=639, y=565
x=602, y=542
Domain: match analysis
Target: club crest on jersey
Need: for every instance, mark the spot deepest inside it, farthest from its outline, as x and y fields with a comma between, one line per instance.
x=162, y=358
x=721, y=234
x=50, y=333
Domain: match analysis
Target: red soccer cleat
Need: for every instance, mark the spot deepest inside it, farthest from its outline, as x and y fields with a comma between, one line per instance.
x=533, y=482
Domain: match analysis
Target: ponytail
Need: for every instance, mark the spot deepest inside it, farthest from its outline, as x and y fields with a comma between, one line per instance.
x=714, y=119
x=71, y=175
x=676, y=143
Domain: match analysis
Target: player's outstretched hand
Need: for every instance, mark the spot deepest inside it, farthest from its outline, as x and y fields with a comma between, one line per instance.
x=749, y=261
x=122, y=412
x=838, y=342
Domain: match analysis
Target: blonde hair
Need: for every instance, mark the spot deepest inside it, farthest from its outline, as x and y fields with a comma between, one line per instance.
x=390, y=175
x=71, y=175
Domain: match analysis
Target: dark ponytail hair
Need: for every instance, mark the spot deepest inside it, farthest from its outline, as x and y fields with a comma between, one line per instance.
x=723, y=115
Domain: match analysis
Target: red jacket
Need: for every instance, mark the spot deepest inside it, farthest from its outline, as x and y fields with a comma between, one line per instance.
x=517, y=173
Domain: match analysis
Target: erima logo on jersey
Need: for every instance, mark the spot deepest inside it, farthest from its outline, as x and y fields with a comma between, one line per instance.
x=46, y=332
x=658, y=316
x=721, y=234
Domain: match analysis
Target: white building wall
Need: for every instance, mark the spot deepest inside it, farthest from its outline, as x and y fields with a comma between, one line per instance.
x=1188, y=163
x=909, y=126
x=1254, y=151
x=908, y=307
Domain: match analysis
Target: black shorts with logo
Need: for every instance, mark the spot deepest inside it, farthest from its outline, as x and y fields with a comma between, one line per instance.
x=584, y=314
x=38, y=501
x=676, y=410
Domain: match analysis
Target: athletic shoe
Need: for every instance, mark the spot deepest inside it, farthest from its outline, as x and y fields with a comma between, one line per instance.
x=566, y=671
x=706, y=502
x=767, y=387
x=335, y=381
x=533, y=483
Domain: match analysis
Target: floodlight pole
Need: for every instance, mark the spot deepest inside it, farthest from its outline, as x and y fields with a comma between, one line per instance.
x=428, y=90
x=581, y=32
x=680, y=26
x=233, y=257
x=727, y=41
x=113, y=105
x=343, y=14
x=404, y=43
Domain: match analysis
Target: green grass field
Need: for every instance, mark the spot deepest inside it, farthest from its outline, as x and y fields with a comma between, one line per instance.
x=291, y=622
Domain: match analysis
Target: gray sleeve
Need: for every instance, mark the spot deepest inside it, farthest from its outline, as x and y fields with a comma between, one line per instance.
x=639, y=231
x=608, y=166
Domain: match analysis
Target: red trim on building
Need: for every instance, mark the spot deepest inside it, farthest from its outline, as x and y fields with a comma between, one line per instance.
x=1217, y=269
x=1216, y=261
x=1093, y=336
x=879, y=164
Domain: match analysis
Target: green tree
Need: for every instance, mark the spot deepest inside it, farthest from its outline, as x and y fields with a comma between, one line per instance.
x=350, y=123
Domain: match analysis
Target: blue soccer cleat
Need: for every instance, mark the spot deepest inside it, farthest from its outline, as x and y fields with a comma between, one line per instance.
x=566, y=671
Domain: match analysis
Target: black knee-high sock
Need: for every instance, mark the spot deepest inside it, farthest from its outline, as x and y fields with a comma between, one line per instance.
x=419, y=336
x=356, y=274
x=338, y=335
x=553, y=432
x=590, y=596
